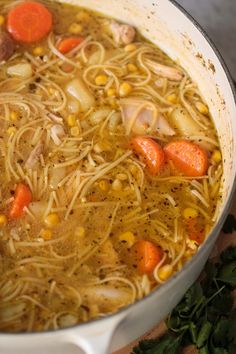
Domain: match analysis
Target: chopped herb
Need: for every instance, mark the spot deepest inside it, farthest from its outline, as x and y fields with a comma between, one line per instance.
x=205, y=316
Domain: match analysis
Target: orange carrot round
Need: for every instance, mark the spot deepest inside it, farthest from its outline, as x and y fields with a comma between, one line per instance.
x=195, y=231
x=29, y=22
x=149, y=152
x=189, y=158
x=23, y=198
x=67, y=44
x=147, y=255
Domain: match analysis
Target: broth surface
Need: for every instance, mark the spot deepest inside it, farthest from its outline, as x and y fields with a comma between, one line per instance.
x=110, y=169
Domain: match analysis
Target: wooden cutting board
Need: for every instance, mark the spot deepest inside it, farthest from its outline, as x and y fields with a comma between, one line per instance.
x=224, y=240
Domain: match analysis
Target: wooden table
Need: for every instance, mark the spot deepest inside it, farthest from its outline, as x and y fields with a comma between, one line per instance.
x=223, y=242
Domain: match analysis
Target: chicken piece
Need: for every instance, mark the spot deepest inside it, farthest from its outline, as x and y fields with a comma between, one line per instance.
x=57, y=133
x=164, y=70
x=34, y=156
x=7, y=46
x=122, y=34
x=142, y=117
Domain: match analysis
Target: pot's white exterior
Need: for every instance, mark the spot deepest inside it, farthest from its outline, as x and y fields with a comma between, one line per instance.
x=165, y=24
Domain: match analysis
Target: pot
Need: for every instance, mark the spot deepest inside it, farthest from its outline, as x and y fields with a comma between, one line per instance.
x=166, y=24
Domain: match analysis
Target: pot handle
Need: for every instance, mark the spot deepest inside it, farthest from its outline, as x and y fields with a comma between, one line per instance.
x=98, y=342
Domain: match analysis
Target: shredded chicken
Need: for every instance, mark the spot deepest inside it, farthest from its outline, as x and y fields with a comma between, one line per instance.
x=142, y=117
x=57, y=133
x=122, y=34
x=34, y=155
x=164, y=70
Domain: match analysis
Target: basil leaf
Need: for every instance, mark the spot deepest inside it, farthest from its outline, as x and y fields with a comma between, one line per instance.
x=204, y=334
x=227, y=273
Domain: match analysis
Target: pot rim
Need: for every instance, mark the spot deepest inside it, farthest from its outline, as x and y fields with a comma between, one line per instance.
x=214, y=232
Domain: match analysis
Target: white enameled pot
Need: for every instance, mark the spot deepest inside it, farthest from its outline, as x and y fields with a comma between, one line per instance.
x=166, y=24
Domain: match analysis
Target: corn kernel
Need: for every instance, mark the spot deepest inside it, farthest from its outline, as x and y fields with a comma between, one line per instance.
x=80, y=232
x=38, y=51
x=127, y=237
x=165, y=272
x=52, y=91
x=83, y=16
x=111, y=92
x=75, y=131
x=190, y=213
x=125, y=89
x=216, y=156
x=2, y=20
x=11, y=130
x=75, y=28
x=52, y=220
x=14, y=116
x=202, y=108
x=117, y=185
x=3, y=220
x=132, y=68
x=71, y=120
x=130, y=47
x=46, y=234
x=103, y=185
x=172, y=98
x=101, y=80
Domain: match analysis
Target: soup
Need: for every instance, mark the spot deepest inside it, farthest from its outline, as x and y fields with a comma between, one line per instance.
x=110, y=166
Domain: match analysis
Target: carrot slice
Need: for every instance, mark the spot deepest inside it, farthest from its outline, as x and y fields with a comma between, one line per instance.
x=67, y=44
x=23, y=198
x=29, y=22
x=187, y=157
x=195, y=231
x=147, y=255
x=149, y=152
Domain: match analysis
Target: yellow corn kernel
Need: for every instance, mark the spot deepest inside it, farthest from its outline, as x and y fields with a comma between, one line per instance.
x=38, y=51
x=165, y=272
x=125, y=89
x=52, y=220
x=71, y=120
x=172, y=98
x=216, y=156
x=14, y=116
x=190, y=213
x=75, y=131
x=127, y=237
x=80, y=232
x=52, y=91
x=130, y=47
x=103, y=185
x=75, y=28
x=117, y=185
x=202, y=108
x=111, y=92
x=2, y=20
x=11, y=130
x=132, y=68
x=83, y=16
x=188, y=254
x=46, y=234
x=3, y=220
x=113, y=102
x=101, y=80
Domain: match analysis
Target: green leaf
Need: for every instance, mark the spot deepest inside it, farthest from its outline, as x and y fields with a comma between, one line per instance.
x=220, y=351
x=204, y=334
x=232, y=328
x=219, y=336
x=203, y=350
x=230, y=224
x=194, y=294
x=158, y=346
x=228, y=255
x=222, y=304
x=227, y=274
